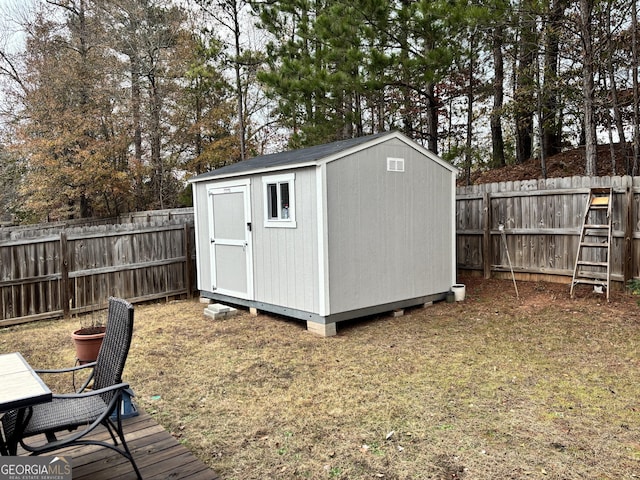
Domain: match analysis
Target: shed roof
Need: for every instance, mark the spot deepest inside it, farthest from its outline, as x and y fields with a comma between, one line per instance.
x=307, y=156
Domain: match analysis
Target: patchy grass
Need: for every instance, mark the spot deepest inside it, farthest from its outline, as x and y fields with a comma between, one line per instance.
x=490, y=388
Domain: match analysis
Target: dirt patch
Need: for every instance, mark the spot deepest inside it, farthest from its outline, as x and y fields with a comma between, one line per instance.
x=494, y=387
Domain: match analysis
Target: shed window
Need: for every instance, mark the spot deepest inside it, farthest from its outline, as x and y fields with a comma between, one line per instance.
x=279, y=201
x=395, y=164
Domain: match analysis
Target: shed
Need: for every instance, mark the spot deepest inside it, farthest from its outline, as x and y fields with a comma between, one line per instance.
x=328, y=233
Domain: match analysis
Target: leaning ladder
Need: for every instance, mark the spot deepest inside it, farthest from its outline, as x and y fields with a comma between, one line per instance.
x=593, y=264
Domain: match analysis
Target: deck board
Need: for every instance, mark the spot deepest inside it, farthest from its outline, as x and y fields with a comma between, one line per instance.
x=157, y=454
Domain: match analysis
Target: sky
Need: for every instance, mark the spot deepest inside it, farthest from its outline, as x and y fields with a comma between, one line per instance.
x=11, y=11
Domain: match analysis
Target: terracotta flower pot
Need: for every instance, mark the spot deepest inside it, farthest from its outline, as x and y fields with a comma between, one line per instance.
x=88, y=343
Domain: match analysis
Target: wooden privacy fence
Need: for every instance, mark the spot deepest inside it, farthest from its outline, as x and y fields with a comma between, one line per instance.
x=152, y=217
x=537, y=223
x=75, y=270
x=54, y=270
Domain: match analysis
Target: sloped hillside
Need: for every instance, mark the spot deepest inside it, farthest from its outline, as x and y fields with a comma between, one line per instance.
x=565, y=164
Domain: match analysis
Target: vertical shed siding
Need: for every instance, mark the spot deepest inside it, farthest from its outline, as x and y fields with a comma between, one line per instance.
x=286, y=259
x=389, y=233
x=203, y=254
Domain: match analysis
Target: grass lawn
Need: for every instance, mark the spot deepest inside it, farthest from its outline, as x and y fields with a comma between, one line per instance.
x=490, y=388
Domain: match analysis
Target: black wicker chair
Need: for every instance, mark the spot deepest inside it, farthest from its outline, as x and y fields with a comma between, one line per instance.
x=80, y=413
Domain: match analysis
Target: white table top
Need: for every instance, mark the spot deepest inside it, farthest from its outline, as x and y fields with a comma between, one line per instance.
x=20, y=386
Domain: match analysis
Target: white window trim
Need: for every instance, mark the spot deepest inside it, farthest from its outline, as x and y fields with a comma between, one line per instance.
x=395, y=164
x=290, y=222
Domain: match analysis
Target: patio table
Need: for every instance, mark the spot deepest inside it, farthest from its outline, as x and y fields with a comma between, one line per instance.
x=20, y=388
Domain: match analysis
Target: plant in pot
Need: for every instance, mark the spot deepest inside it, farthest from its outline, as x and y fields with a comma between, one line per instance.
x=88, y=338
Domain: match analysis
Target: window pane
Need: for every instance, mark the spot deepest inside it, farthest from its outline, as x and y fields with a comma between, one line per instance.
x=272, y=198
x=284, y=200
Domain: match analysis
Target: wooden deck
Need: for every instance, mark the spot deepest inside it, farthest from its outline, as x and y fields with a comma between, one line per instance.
x=157, y=454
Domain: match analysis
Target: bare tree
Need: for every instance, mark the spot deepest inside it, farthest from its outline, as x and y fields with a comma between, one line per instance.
x=613, y=87
x=228, y=13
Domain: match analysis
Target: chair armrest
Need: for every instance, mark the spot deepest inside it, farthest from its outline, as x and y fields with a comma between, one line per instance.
x=66, y=370
x=73, y=371
x=90, y=393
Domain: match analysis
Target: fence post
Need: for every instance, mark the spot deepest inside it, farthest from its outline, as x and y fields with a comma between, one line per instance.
x=187, y=253
x=486, y=237
x=627, y=257
x=64, y=275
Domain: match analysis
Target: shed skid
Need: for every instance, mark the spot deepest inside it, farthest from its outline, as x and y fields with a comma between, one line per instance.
x=318, y=324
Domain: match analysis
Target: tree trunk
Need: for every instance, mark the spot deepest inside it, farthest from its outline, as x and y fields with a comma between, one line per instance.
x=468, y=160
x=551, y=125
x=242, y=134
x=432, y=119
x=408, y=115
x=524, y=85
x=497, y=138
x=636, y=93
x=615, y=102
x=155, y=136
x=136, y=106
x=588, y=87
x=540, y=110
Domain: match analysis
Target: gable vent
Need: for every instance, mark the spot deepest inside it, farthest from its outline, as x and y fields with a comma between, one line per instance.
x=395, y=164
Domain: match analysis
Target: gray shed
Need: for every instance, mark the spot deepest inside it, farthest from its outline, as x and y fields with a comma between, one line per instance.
x=328, y=233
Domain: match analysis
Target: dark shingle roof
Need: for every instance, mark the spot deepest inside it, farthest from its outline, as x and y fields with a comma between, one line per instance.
x=290, y=157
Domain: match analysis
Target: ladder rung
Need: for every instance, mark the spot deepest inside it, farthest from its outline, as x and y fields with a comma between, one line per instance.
x=600, y=202
x=593, y=264
x=594, y=244
x=596, y=226
x=602, y=276
x=590, y=281
x=598, y=207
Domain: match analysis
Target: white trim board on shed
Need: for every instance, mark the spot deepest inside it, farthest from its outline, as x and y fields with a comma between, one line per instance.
x=330, y=232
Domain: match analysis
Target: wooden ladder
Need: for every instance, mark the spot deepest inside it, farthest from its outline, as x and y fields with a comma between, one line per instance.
x=593, y=265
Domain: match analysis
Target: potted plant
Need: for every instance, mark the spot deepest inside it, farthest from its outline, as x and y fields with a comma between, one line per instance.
x=88, y=338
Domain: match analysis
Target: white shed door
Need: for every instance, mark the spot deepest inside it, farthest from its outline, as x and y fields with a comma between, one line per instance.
x=230, y=231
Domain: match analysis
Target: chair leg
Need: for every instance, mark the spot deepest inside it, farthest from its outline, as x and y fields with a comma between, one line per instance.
x=112, y=429
x=127, y=452
x=4, y=449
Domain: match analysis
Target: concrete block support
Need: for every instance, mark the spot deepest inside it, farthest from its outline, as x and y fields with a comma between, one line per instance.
x=218, y=311
x=322, y=329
